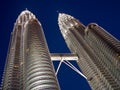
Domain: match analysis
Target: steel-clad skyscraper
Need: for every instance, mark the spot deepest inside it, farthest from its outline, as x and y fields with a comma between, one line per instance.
x=98, y=52
x=28, y=65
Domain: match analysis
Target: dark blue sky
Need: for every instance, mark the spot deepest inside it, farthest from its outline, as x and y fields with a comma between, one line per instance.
x=106, y=13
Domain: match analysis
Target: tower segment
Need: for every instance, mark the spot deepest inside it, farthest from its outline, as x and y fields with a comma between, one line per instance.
x=98, y=52
x=38, y=68
x=28, y=64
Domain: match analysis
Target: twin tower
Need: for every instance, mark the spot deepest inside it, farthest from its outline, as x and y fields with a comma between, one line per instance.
x=29, y=66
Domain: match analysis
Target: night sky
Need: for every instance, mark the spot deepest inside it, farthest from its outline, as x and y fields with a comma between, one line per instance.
x=105, y=13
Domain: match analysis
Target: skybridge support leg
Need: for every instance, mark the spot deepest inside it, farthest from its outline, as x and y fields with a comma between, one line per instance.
x=65, y=58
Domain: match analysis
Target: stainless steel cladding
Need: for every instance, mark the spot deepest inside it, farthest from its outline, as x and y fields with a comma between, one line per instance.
x=98, y=51
x=38, y=68
x=28, y=63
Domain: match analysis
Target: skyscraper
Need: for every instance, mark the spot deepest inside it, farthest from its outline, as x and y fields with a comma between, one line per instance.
x=28, y=64
x=98, y=52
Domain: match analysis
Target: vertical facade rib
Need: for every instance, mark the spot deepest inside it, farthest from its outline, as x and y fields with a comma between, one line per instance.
x=28, y=64
x=98, y=51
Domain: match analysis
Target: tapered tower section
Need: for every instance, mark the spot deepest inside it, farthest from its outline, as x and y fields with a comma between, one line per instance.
x=12, y=76
x=98, y=52
x=28, y=65
x=39, y=73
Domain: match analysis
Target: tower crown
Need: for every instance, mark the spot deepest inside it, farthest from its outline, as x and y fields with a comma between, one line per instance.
x=67, y=21
x=25, y=16
x=64, y=18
